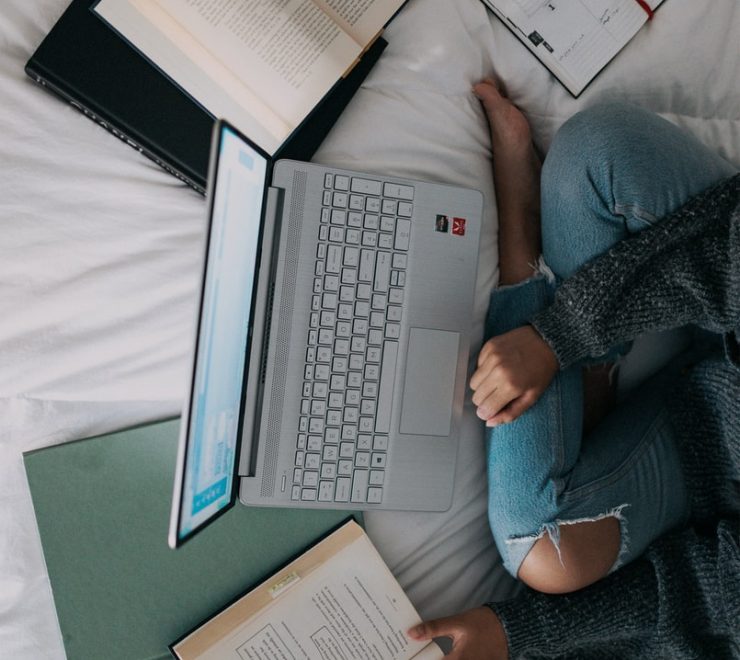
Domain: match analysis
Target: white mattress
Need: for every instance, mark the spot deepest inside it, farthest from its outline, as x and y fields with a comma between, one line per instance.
x=99, y=255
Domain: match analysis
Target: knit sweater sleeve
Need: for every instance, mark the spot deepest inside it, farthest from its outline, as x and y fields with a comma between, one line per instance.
x=684, y=270
x=680, y=600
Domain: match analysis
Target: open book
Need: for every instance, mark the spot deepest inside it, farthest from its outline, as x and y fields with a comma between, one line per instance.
x=262, y=64
x=574, y=39
x=337, y=600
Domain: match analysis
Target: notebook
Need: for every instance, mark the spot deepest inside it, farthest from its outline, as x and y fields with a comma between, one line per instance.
x=102, y=507
x=332, y=339
x=88, y=65
x=574, y=39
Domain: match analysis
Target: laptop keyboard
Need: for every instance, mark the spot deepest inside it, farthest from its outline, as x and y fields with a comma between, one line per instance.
x=352, y=346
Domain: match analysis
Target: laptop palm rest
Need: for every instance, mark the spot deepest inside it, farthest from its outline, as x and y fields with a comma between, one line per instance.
x=428, y=390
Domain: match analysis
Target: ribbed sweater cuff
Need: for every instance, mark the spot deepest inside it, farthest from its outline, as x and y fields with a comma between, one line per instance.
x=567, y=335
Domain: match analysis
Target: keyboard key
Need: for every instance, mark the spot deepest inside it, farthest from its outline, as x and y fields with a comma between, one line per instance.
x=303, y=424
x=325, y=215
x=374, y=495
x=380, y=442
x=358, y=345
x=300, y=457
x=344, y=311
x=363, y=291
x=392, y=331
x=375, y=337
x=387, y=378
x=351, y=415
x=354, y=219
x=343, y=489
x=331, y=436
x=314, y=443
x=315, y=303
x=326, y=336
x=334, y=257
x=372, y=204
x=346, y=450
x=357, y=202
x=377, y=477
x=331, y=283
x=389, y=207
x=330, y=454
x=334, y=417
x=382, y=271
x=301, y=444
x=367, y=407
x=366, y=424
x=352, y=236
x=371, y=221
x=341, y=182
x=323, y=233
x=356, y=361
x=373, y=354
x=387, y=224
x=341, y=346
x=323, y=354
x=339, y=200
x=401, y=278
x=329, y=301
x=403, y=234
x=359, y=485
x=394, y=312
x=395, y=296
x=400, y=260
x=327, y=319
x=326, y=491
x=344, y=328
x=351, y=256
x=378, y=460
x=295, y=493
x=362, y=459
x=336, y=400
x=318, y=407
x=349, y=276
x=354, y=379
x=336, y=235
x=314, y=320
x=405, y=210
x=339, y=365
x=398, y=191
x=329, y=179
x=338, y=382
x=369, y=238
x=364, y=441
x=312, y=463
x=370, y=390
x=361, y=309
x=320, y=390
x=344, y=468
x=306, y=389
x=349, y=432
x=372, y=371
x=378, y=301
x=385, y=241
x=316, y=425
x=326, y=199
x=308, y=494
x=367, y=266
x=346, y=293
x=377, y=319
x=365, y=186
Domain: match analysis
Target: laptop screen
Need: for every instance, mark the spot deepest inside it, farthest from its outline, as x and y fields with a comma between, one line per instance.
x=207, y=477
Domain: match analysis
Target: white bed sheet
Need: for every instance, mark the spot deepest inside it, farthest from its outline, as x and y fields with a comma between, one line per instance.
x=100, y=248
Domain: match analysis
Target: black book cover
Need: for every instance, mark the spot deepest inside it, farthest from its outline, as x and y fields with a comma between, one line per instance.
x=89, y=65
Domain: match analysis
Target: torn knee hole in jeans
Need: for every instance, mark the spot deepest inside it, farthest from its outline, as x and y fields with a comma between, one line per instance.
x=552, y=529
x=541, y=268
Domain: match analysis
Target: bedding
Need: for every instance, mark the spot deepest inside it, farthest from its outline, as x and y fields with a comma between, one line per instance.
x=100, y=250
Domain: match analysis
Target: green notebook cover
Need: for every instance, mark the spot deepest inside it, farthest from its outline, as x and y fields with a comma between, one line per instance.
x=102, y=507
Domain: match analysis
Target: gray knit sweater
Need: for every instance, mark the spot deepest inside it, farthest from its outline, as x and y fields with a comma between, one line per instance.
x=682, y=598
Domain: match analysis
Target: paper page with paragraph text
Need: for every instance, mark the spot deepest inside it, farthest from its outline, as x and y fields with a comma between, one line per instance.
x=289, y=53
x=361, y=19
x=339, y=600
x=575, y=39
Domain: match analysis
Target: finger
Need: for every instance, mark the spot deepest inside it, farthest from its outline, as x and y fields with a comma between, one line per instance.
x=496, y=401
x=484, y=370
x=485, y=351
x=436, y=628
x=513, y=410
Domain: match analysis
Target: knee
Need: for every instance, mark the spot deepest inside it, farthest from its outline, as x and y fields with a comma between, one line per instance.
x=586, y=553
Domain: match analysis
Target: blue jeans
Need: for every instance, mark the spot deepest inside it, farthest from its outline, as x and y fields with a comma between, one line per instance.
x=612, y=170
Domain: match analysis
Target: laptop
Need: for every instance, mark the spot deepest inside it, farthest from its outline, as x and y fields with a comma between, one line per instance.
x=332, y=339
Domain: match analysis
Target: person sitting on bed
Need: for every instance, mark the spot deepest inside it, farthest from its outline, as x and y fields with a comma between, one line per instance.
x=643, y=505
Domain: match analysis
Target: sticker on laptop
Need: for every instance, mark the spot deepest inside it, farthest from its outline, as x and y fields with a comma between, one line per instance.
x=458, y=226
x=442, y=224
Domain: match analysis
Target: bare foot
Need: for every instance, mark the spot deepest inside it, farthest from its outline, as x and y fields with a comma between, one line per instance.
x=516, y=174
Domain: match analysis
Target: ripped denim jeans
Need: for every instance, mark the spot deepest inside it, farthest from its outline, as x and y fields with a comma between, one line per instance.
x=543, y=474
x=612, y=170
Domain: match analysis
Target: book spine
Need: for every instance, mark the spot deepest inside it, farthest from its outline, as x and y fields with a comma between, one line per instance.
x=113, y=130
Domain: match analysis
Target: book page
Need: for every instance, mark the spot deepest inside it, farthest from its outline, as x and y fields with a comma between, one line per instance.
x=194, y=69
x=361, y=19
x=288, y=52
x=575, y=39
x=347, y=605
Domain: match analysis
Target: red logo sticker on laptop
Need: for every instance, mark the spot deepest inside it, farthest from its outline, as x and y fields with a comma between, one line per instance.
x=458, y=226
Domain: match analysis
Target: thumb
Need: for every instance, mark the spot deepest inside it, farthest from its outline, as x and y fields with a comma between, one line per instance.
x=436, y=628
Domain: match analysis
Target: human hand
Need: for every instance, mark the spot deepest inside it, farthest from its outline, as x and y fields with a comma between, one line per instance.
x=476, y=635
x=514, y=369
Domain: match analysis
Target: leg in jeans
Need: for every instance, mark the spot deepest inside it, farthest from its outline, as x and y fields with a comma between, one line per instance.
x=612, y=170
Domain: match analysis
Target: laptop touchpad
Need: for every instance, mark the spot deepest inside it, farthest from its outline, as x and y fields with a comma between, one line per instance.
x=430, y=382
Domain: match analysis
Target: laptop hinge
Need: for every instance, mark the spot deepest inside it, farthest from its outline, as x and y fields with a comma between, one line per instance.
x=264, y=297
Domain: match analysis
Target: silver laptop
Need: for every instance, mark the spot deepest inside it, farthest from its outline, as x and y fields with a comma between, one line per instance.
x=332, y=339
